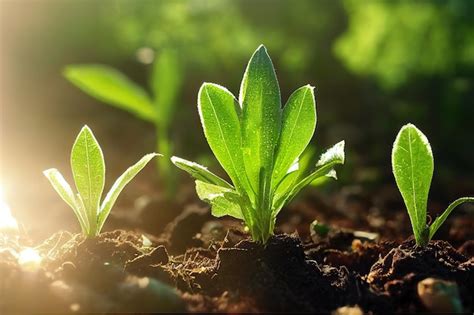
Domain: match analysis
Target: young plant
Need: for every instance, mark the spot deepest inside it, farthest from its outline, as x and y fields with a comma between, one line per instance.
x=412, y=164
x=112, y=87
x=258, y=144
x=88, y=170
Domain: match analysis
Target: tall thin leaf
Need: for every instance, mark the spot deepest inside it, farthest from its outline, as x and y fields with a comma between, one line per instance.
x=219, y=113
x=298, y=124
x=440, y=220
x=166, y=81
x=261, y=118
x=119, y=185
x=65, y=192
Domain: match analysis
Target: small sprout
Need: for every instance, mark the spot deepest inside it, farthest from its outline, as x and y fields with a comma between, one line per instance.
x=412, y=164
x=258, y=144
x=319, y=229
x=88, y=169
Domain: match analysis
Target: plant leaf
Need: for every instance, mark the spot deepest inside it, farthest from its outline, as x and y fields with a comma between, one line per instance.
x=298, y=124
x=412, y=164
x=166, y=82
x=325, y=167
x=65, y=192
x=219, y=113
x=88, y=169
x=200, y=172
x=223, y=201
x=119, y=185
x=440, y=220
x=261, y=118
x=112, y=87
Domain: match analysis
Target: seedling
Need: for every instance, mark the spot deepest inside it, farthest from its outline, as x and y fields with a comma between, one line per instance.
x=258, y=144
x=88, y=169
x=112, y=87
x=412, y=164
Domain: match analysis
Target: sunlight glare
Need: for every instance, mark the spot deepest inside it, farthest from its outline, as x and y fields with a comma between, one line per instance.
x=7, y=221
x=29, y=259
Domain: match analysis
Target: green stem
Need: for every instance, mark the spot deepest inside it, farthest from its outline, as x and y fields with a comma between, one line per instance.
x=165, y=173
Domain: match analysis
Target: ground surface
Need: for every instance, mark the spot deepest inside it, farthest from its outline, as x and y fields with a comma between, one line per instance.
x=167, y=260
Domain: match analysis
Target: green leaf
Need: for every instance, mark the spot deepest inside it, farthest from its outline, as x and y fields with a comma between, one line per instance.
x=166, y=82
x=224, y=201
x=88, y=169
x=199, y=172
x=440, y=220
x=298, y=124
x=219, y=113
x=412, y=164
x=325, y=167
x=261, y=118
x=289, y=180
x=112, y=87
x=65, y=192
x=119, y=185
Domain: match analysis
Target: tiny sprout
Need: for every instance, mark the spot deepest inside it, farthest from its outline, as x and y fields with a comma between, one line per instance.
x=88, y=169
x=412, y=164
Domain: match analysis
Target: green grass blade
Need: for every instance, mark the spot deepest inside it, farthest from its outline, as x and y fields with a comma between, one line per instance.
x=298, y=124
x=112, y=87
x=65, y=192
x=119, y=185
x=200, y=172
x=166, y=82
x=219, y=113
x=412, y=164
x=88, y=169
x=261, y=118
x=223, y=201
x=440, y=220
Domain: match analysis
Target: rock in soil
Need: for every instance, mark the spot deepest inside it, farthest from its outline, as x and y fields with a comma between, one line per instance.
x=398, y=273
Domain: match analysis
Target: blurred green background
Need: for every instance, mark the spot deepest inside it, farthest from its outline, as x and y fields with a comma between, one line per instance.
x=376, y=65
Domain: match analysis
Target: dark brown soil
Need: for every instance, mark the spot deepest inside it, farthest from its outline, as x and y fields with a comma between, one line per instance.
x=88, y=275
x=203, y=264
x=398, y=273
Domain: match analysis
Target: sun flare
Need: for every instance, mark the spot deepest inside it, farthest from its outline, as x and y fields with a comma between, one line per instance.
x=7, y=222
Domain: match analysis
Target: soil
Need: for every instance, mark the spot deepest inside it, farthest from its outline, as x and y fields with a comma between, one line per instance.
x=198, y=263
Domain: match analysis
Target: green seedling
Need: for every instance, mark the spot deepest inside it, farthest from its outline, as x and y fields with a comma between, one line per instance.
x=412, y=164
x=112, y=87
x=88, y=170
x=258, y=144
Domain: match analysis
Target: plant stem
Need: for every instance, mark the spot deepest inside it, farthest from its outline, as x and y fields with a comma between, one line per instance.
x=165, y=173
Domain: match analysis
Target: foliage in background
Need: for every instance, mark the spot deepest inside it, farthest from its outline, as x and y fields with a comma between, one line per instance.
x=258, y=144
x=88, y=169
x=395, y=41
x=412, y=164
x=206, y=32
x=410, y=66
x=112, y=87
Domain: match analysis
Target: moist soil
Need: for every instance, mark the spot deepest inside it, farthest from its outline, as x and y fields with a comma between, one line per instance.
x=202, y=264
